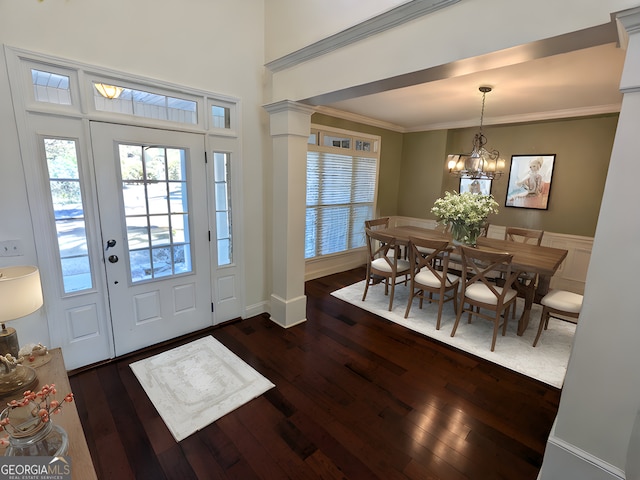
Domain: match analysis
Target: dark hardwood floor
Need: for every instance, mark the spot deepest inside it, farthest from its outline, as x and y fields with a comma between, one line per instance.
x=356, y=397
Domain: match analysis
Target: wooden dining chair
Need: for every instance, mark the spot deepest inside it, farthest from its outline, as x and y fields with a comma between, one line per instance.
x=524, y=235
x=384, y=263
x=558, y=304
x=484, y=231
x=429, y=275
x=526, y=280
x=380, y=224
x=479, y=292
x=377, y=223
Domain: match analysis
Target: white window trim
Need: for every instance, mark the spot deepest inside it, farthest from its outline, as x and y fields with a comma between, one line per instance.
x=82, y=77
x=336, y=262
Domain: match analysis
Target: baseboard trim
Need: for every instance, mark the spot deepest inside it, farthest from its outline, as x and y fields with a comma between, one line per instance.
x=330, y=264
x=256, y=309
x=569, y=462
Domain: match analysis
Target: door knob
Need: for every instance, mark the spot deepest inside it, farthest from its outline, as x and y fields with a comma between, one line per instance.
x=110, y=243
x=113, y=258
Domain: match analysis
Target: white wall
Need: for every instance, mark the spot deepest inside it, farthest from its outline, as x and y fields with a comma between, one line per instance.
x=291, y=25
x=214, y=45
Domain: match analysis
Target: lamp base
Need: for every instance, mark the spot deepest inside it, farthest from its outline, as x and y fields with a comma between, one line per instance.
x=17, y=381
x=9, y=341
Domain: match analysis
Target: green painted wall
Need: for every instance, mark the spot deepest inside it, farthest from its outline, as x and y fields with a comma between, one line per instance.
x=422, y=172
x=582, y=147
x=413, y=173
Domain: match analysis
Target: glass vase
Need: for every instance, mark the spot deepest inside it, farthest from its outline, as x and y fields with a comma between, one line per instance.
x=30, y=436
x=49, y=441
x=465, y=234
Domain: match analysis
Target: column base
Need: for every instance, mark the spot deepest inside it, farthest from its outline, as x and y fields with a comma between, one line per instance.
x=288, y=313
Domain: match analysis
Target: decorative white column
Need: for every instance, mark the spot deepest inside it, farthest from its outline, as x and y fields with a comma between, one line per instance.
x=290, y=124
x=593, y=436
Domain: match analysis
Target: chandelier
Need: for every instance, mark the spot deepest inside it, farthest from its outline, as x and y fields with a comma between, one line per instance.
x=480, y=163
x=108, y=91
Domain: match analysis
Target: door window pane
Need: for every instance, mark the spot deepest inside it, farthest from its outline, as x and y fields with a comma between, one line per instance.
x=137, y=232
x=181, y=258
x=140, y=262
x=154, y=192
x=68, y=213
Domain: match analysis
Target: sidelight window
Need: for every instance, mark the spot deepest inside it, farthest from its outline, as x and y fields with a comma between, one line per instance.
x=68, y=212
x=222, y=188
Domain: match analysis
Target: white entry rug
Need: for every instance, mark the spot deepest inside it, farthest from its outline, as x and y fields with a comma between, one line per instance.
x=195, y=384
x=546, y=362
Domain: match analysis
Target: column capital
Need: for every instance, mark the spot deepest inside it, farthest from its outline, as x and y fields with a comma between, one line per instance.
x=289, y=118
x=630, y=20
x=629, y=37
x=288, y=105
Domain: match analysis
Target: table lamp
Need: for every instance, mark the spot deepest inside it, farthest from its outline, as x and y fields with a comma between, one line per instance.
x=20, y=295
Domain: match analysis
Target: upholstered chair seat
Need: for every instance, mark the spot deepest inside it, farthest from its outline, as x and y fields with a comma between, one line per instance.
x=558, y=304
x=481, y=293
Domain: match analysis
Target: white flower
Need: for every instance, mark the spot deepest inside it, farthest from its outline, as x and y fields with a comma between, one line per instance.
x=464, y=208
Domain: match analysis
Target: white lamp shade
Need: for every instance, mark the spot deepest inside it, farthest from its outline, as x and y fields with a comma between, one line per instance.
x=20, y=292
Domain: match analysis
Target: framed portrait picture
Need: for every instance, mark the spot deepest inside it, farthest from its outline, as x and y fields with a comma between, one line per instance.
x=530, y=181
x=475, y=185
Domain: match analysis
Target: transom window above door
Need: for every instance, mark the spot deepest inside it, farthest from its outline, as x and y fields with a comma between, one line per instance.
x=63, y=89
x=129, y=101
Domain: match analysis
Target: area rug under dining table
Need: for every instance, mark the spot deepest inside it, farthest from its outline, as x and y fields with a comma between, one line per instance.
x=547, y=362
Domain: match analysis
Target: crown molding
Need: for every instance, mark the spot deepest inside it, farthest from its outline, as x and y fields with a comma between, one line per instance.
x=524, y=118
x=510, y=119
x=354, y=117
x=380, y=23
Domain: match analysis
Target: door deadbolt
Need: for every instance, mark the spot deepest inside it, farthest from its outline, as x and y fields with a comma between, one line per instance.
x=113, y=258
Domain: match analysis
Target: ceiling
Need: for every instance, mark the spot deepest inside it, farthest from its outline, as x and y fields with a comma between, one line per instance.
x=584, y=81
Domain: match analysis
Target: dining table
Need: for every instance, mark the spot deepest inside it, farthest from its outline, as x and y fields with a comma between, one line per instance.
x=527, y=258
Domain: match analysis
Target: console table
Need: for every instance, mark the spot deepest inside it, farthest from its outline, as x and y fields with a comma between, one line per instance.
x=55, y=372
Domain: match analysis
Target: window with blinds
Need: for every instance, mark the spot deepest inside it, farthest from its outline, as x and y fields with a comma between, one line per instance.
x=341, y=190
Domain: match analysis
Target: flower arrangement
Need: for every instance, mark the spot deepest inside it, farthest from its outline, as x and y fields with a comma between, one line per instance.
x=38, y=408
x=466, y=213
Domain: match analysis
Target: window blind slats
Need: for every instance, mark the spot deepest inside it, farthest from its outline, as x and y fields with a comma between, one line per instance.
x=340, y=196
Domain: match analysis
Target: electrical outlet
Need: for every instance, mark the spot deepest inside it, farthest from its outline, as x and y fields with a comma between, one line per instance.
x=11, y=248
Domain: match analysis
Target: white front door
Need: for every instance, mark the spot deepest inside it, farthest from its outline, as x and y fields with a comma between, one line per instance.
x=152, y=197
